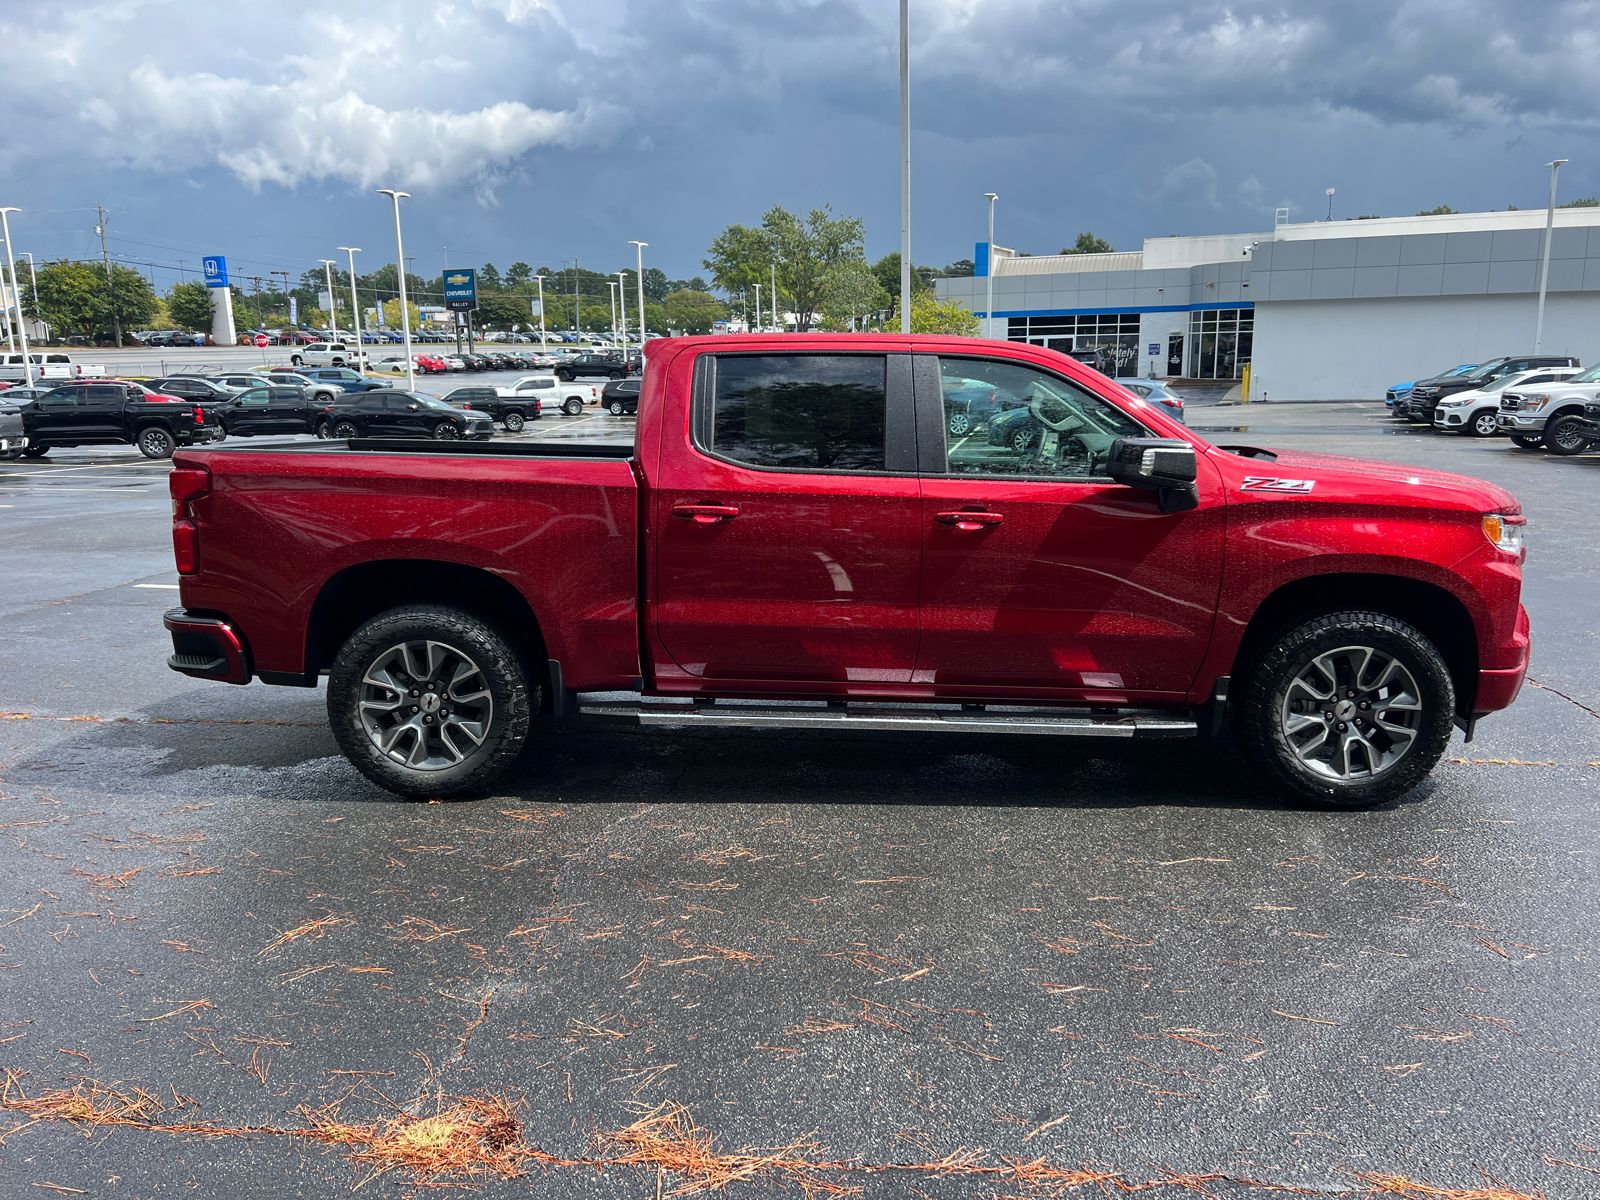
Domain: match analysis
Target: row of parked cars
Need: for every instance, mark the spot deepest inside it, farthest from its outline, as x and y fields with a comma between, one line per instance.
x=1541, y=401
x=159, y=415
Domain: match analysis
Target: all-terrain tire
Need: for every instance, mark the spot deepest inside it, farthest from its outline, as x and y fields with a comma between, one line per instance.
x=1264, y=695
x=513, y=698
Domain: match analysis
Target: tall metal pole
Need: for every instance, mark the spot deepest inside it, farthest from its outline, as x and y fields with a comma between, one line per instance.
x=758, y=308
x=355, y=302
x=400, y=262
x=612, y=284
x=11, y=269
x=622, y=295
x=777, y=321
x=988, y=273
x=543, y=340
x=333, y=307
x=1544, y=265
x=11, y=330
x=639, y=246
x=905, y=166
x=33, y=277
x=577, y=305
x=111, y=287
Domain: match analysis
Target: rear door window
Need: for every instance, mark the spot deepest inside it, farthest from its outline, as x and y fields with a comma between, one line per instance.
x=795, y=412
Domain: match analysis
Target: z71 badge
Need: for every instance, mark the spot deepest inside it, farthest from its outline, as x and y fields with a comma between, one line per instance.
x=1270, y=483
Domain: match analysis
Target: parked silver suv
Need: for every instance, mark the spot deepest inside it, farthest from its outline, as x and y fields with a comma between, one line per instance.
x=1526, y=412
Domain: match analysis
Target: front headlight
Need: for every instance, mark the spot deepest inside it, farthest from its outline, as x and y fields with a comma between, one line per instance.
x=1534, y=401
x=1506, y=531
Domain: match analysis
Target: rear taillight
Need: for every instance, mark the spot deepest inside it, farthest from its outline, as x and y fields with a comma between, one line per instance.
x=187, y=485
x=199, y=415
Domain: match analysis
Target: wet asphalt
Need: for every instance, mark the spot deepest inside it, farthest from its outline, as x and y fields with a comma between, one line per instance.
x=874, y=951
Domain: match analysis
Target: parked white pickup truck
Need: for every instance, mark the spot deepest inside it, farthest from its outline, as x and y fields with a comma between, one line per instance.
x=46, y=365
x=328, y=354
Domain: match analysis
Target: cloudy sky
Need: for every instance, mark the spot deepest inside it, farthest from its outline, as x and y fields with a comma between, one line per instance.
x=550, y=129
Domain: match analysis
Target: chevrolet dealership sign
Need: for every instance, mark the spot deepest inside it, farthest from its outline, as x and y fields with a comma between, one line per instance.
x=461, y=289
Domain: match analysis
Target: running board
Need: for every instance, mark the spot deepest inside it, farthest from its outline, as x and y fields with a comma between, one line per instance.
x=896, y=718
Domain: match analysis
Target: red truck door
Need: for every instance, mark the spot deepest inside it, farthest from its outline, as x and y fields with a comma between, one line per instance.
x=787, y=522
x=1038, y=571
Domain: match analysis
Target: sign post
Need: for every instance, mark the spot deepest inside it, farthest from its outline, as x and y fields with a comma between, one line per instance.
x=461, y=297
x=214, y=269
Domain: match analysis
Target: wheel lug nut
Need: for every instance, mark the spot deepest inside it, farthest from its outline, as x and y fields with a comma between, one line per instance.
x=427, y=720
x=413, y=708
x=414, y=692
x=1341, y=727
x=1365, y=705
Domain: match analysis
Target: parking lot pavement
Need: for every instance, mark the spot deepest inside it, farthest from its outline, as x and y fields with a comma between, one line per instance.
x=909, y=965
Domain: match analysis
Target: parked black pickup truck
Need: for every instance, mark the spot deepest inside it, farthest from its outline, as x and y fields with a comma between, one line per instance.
x=274, y=409
x=101, y=412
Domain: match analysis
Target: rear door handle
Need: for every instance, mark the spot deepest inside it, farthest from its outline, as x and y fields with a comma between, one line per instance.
x=705, y=514
x=970, y=520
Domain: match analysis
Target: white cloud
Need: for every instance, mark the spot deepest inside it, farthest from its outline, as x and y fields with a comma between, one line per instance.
x=1193, y=182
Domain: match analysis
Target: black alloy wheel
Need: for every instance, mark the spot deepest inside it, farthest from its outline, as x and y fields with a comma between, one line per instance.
x=343, y=431
x=1565, y=436
x=446, y=431
x=156, y=442
x=514, y=422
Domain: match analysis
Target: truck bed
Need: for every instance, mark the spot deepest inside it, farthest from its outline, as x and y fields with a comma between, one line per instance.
x=431, y=448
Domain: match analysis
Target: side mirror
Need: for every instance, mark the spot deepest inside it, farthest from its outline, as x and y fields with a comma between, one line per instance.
x=1165, y=464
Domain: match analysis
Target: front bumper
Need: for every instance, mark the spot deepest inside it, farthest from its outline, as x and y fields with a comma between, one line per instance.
x=1499, y=687
x=1449, y=418
x=1520, y=422
x=206, y=647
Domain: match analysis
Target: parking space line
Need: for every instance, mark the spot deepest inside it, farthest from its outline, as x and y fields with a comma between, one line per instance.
x=88, y=467
x=161, y=587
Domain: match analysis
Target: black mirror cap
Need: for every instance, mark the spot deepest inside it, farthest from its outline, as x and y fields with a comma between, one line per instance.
x=1152, y=462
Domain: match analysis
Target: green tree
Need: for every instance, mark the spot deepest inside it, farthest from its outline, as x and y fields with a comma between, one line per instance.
x=961, y=267
x=690, y=311
x=501, y=310
x=391, y=314
x=1088, y=243
x=656, y=284
x=70, y=297
x=929, y=314
x=488, y=278
x=1582, y=202
x=851, y=290
x=887, y=270
x=738, y=259
x=805, y=251
x=132, y=300
x=1439, y=210
x=189, y=305
x=519, y=276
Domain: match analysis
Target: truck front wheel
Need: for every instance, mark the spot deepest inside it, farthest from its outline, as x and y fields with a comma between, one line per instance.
x=428, y=701
x=1347, y=710
x=1526, y=441
x=1566, y=436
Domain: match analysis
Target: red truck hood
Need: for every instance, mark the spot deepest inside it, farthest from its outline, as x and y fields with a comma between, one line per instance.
x=1395, y=479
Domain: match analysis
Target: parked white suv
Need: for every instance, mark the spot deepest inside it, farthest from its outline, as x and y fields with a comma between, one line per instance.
x=328, y=354
x=1477, y=410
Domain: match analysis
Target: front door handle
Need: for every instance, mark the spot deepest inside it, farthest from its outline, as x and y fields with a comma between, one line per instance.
x=969, y=521
x=705, y=514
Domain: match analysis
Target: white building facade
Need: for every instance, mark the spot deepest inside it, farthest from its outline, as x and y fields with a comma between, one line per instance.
x=1327, y=310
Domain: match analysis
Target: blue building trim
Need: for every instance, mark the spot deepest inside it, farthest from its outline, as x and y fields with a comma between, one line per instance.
x=980, y=260
x=1131, y=308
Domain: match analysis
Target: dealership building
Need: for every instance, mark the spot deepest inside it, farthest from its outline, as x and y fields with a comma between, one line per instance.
x=1322, y=311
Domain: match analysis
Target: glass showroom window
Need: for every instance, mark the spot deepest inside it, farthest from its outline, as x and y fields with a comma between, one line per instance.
x=1109, y=342
x=1220, y=342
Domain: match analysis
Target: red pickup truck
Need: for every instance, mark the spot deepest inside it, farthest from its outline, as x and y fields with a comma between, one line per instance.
x=795, y=541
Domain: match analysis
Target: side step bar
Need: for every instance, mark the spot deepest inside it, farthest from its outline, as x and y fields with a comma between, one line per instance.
x=1078, y=722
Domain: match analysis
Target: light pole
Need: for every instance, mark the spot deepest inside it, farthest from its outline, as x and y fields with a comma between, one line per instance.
x=622, y=295
x=612, y=284
x=639, y=247
x=777, y=323
x=543, y=340
x=1544, y=265
x=400, y=262
x=988, y=271
x=355, y=302
x=758, y=308
x=33, y=276
x=905, y=166
x=11, y=270
x=333, y=308
x=1329, y=193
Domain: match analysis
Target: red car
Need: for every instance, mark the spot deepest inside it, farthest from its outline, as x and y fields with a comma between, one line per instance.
x=795, y=530
x=431, y=364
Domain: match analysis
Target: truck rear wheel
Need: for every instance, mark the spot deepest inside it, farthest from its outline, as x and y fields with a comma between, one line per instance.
x=35, y=451
x=429, y=701
x=1347, y=710
x=572, y=406
x=514, y=422
x=155, y=442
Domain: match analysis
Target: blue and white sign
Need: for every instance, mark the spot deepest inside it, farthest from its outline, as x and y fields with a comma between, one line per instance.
x=461, y=289
x=294, y=310
x=215, y=268
x=1155, y=349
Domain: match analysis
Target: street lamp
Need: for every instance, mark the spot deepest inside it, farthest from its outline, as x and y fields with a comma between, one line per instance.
x=333, y=309
x=639, y=246
x=543, y=340
x=1544, y=266
x=612, y=284
x=777, y=324
x=1329, y=193
x=355, y=303
x=758, y=308
x=988, y=271
x=622, y=295
x=11, y=270
x=400, y=261
x=905, y=166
